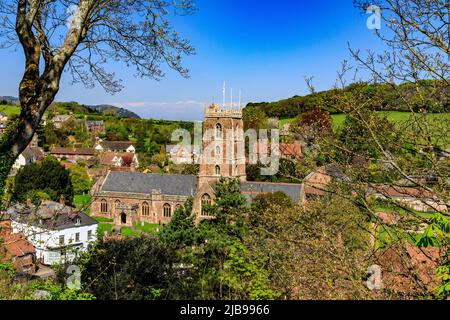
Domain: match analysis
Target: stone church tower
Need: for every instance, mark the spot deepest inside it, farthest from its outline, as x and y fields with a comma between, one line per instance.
x=223, y=152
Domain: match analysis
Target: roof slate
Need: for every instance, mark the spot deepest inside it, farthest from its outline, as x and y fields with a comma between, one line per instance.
x=133, y=182
x=251, y=189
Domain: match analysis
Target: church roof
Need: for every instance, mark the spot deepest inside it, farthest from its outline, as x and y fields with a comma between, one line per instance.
x=251, y=189
x=133, y=182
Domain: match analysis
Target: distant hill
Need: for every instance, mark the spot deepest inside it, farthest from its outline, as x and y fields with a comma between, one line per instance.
x=75, y=107
x=9, y=100
x=113, y=110
x=387, y=99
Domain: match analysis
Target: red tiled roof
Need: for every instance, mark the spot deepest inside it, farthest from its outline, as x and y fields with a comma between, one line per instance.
x=73, y=151
x=396, y=191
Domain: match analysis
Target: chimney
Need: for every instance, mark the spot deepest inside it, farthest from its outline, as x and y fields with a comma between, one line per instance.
x=62, y=200
x=29, y=203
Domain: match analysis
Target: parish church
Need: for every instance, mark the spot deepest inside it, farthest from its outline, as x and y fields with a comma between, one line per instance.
x=129, y=197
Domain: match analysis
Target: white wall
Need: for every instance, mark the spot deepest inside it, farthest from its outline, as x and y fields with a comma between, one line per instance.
x=47, y=244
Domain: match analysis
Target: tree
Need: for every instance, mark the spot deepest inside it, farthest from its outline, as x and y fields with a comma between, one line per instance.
x=58, y=36
x=133, y=269
x=47, y=176
x=80, y=179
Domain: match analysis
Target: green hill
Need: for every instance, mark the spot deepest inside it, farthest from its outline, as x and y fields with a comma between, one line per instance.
x=387, y=99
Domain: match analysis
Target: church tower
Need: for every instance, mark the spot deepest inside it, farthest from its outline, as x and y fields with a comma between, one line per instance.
x=223, y=152
x=223, y=147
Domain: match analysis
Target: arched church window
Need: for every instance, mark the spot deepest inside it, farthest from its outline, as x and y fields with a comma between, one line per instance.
x=218, y=151
x=167, y=211
x=206, y=201
x=103, y=206
x=145, y=209
x=219, y=131
x=117, y=204
x=217, y=169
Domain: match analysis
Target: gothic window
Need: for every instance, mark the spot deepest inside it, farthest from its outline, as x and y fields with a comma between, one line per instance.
x=218, y=151
x=206, y=201
x=218, y=131
x=104, y=206
x=145, y=209
x=217, y=169
x=167, y=211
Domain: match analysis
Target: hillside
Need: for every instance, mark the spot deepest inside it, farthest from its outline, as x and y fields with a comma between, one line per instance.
x=388, y=99
x=9, y=104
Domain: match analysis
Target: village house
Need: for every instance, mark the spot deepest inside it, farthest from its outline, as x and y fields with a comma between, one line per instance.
x=17, y=249
x=29, y=155
x=95, y=127
x=119, y=160
x=57, y=232
x=414, y=198
x=181, y=154
x=74, y=154
x=3, y=122
x=288, y=151
x=59, y=120
x=115, y=146
x=128, y=197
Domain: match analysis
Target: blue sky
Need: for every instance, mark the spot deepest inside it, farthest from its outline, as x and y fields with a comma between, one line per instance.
x=262, y=47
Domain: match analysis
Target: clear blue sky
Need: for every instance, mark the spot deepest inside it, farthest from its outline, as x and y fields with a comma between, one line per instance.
x=265, y=48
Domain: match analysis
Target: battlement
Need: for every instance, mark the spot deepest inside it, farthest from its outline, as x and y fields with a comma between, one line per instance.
x=214, y=111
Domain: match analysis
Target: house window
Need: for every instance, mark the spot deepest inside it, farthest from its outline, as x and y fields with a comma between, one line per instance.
x=61, y=240
x=217, y=170
x=206, y=201
x=77, y=237
x=218, y=131
x=104, y=206
x=145, y=209
x=89, y=234
x=167, y=211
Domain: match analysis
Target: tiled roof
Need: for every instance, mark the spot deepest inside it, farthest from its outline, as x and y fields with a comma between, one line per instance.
x=73, y=151
x=133, y=182
x=33, y=152
x=116, y=145
x=399, y=192
x=49, y=215
x=251, y=189
x=94, y=123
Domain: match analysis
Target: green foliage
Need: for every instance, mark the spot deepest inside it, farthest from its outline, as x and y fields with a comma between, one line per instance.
x=80, y=179
x=133, y=269
x=47, y=176
x=180, y=232
x=388, y=98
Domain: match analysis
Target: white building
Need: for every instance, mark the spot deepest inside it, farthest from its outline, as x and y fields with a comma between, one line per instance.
x=29, y=155
x=58, y=232
x=115, y=146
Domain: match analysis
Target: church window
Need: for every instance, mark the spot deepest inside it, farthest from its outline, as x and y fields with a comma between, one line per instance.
x=219, y=131
x=104, y=206
x=167, y=211
x=145, y=209
x=217, y=170
x=206, y=201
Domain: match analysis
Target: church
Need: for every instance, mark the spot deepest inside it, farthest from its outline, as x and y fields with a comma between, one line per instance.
x=129, y=197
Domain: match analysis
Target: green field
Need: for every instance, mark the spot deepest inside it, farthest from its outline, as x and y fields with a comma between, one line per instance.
x=395, y=116
x=10, y=109
x=81, y=200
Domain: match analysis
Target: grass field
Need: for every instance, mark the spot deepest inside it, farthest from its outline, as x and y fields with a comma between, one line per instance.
x=395, y=116
x=81, y=200
x=10, y=109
